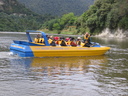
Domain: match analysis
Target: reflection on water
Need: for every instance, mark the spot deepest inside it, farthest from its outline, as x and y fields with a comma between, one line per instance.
x=105, y=75
x=60, y=66
x=53, y=76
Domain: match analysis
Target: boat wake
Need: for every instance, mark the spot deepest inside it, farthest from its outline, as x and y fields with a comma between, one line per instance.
x=7, y=55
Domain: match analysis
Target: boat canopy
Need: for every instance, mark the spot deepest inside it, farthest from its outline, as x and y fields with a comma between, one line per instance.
x=43, y=35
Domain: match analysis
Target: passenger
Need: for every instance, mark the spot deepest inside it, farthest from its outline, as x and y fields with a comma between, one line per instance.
x=56, y=40
x=41, y=40
x=68, y=41
x=73, y=42
x=87, y=40
x=62, y=43
x=51, y=41
x=37, y=39
x=78, y=42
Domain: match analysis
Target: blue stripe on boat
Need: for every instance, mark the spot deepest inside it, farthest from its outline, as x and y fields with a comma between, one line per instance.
x=21, y=50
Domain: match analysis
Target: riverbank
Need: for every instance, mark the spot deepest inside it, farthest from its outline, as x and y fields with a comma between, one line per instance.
x=119, y=33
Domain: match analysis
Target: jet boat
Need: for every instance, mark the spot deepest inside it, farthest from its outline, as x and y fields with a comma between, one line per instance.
x=31, y=49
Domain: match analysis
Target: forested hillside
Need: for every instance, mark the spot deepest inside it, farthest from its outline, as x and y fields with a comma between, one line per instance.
x=112, y=14
x=58, y=7
x=103, y=14
x=15, y=17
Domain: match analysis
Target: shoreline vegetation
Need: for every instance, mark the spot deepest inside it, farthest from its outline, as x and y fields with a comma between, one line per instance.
x=101, y=16
x=106, y=18
x=106, y=33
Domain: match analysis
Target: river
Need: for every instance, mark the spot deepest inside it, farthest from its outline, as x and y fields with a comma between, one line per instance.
x=105, y=75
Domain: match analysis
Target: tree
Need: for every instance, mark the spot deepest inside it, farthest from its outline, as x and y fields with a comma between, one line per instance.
x=60, y=23
x=104, y=14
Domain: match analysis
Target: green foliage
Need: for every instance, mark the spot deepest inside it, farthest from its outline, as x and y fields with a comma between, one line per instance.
x=15, y=23
x=104, y=14
x=60, y=23
x=56, y=26
x=15, y=17
x=112, y=19
x=123, y=23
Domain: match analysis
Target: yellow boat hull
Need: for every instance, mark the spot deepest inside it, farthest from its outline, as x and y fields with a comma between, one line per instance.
x=50, y=51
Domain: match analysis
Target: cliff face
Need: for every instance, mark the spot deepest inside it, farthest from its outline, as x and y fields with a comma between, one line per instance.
x=118, y=33
x=7, y=5
x=1, y=3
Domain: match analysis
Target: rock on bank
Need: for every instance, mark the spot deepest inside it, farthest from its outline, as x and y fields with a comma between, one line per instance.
x=118, y=33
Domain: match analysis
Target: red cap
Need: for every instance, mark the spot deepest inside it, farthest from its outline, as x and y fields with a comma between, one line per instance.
x=56, y=38
x=67, y=39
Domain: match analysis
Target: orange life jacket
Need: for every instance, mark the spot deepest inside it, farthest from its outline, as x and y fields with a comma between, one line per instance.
x=86, y=38
x=59, y=42
x=68, y=42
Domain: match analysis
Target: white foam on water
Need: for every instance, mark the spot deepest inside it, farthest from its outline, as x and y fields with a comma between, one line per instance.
x=11, y=53
x=7, y=55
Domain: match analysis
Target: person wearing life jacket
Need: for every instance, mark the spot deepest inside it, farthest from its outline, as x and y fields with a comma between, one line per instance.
x=41, y=40
x=78, y=41
x=56, y=39
x=51, y=41
x=87, y=40
x=68, y=41
x=73, y=42
x=37, y=39
x=62, y=41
